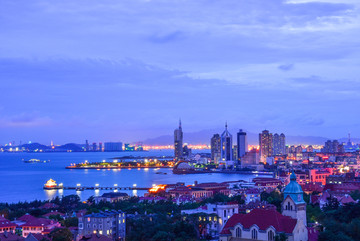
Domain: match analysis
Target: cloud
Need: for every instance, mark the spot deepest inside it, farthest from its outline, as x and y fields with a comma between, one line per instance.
x=286, y=67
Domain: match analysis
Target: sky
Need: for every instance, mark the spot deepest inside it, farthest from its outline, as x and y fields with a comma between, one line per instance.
x=127, y=70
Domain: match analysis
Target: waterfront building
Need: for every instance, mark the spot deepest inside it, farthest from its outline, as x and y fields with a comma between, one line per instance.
x=235, y=152
x=215, y=148
x=110, y=223
x=100, y=146
x=87, y=146
x=113, y=146
x=242, y=145
x=129, y=147
x=266, y=145
x=265, y=224
x=94, y=146
x=226, y=148
x=178, y=143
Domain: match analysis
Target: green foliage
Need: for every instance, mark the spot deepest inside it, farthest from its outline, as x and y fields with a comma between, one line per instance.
x=275, y=198
x=61, y=234
x=70, y=222
x=355, y=195
x=281, y=237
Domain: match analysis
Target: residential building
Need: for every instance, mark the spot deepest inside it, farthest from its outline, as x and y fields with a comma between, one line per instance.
x=111, y=197
x=223, y=211
x=6, y=226
x=266, y=144
x=215, y=148
x=109, y=223
x=31, y=224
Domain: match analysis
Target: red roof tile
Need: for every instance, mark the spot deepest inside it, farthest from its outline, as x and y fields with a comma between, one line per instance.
x=263, y=218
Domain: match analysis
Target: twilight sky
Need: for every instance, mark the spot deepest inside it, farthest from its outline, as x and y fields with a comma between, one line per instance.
x=127, y=70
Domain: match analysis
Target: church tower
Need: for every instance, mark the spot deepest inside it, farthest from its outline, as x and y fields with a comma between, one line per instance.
x=294, y=204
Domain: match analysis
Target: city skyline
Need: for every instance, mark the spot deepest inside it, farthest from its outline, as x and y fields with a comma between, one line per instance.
x=127, y=70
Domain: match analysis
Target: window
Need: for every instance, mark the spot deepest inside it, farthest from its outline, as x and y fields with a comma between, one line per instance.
x=238, y=232
x=224, y=213
x=81, y=226
x=271, y=236
x=254, y=234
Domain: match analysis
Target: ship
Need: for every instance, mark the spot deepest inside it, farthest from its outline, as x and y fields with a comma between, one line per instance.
x=36, y=161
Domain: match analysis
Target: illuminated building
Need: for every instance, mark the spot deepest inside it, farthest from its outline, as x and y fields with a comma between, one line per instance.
x=215, y=148
x=279, y=144
x=178, y=142
x=110, y=223
x=50, y=183
x=129, y=147
x=309, y=148
x=100, y=146
x=242, y=145
x=266, y=144
x=87, y=146
x=333, y=147
x=94, y=147
x=226, y=147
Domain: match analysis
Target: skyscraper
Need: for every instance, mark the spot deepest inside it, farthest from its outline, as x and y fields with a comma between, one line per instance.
x=226, y=146
x=266, y=144
x=242, y=145
x=282, y=144
x=215, y=148
x=279, y=144
x=178, y=143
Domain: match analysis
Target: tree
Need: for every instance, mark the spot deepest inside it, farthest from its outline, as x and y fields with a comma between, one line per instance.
x=61, y=234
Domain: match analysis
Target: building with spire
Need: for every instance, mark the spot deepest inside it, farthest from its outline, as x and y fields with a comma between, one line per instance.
x=294, y=205
x=267, y=224
x=226, y=147
x=178, y=143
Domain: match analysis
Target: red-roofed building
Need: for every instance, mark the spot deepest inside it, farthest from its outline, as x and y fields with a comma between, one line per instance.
x=6, y=236
x=265, y=224
x=6, y=225
x=262, y=224
x=31, y=224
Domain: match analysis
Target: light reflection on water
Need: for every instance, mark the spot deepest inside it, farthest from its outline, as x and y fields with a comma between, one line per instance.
x=33, y=176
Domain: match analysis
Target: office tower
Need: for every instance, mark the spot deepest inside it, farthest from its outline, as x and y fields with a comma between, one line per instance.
x=178, y=143
x=333, y=147
x=235, y=152
x=266, y=144
x=226, y=145
x=242, y=145
x=94, y=147
x=113, y=146
x=87, y=146
x=298, y=149
x=100, y=146
x=215, y=148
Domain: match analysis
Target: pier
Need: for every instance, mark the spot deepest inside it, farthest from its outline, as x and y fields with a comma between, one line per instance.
x=80, y=188
x=51, y=185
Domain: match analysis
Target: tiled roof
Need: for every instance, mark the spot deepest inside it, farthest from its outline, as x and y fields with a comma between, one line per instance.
x=6, y=236
x=6, y=223
x=263, y=218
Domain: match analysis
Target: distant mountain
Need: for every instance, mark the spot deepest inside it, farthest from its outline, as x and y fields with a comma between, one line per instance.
x=69, y=147
x=34, y=146
x=204, y=136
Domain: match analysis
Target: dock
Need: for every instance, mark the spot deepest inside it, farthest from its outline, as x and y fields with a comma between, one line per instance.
x=80, y=188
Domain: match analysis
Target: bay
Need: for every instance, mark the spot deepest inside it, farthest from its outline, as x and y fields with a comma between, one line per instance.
x=22, y=181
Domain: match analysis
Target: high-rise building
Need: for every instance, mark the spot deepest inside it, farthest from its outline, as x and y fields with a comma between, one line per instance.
x=242, y=145
x=282, y=144
x=215, y=148
x=333, y=147
x=100, y=146
x=87, y=146
x=94, y=146
x=113, y=146
x=178, y=143
x=266, y=144
x=226, y=146
x=310, y=148
x=279, y=144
